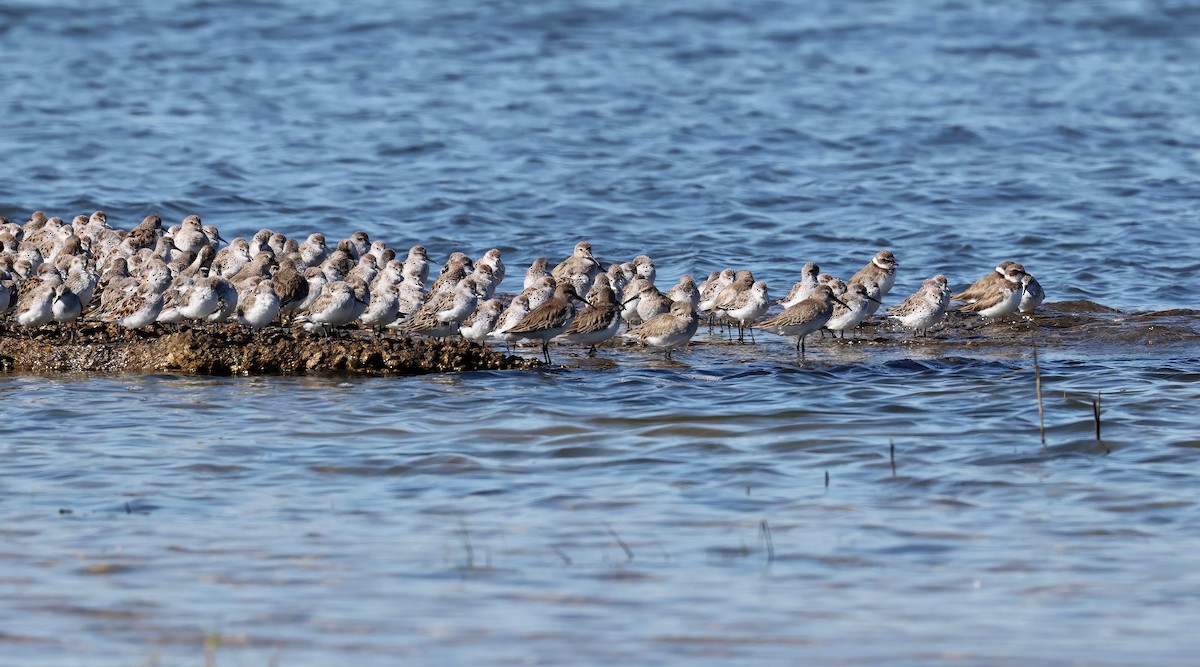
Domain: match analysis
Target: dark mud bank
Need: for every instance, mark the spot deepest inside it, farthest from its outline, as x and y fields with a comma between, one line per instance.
x=230, y=350
x=233, y=351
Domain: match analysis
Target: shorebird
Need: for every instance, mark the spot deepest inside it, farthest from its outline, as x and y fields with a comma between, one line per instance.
x=710, y=290
x=138, y=309
x=383, y=309
x=925, y=307
x=82, y=280
x=480, y=323
x=258, y=306
x=291, y=286
x=803, y=289
x=333, y=308
x=1033, y=296
x=669, y=330
x=882, y=269
x=742, y=281
x=359, y=244
x=535, y=271
x=203, y=298
x=650, y=301
x=599, y=321
x=644, y=266
x=745, y=307
x=491, y=259
x=631, y=298
x=857, y=301
x=231, y=259
x=362, y=295
x=313, y=251
x=453, y=272
x=685, y=290
x=227, y=300
x=190, y=237
x=444, y=313
x=580, y=261
x=805, y=317
x=8, y=298
x=416, y=265
x=259, y=267
x=66, y=306
x=549, y=319
x=1000, y=298
x=516, y=311
x=986, y=283
x=35, y=303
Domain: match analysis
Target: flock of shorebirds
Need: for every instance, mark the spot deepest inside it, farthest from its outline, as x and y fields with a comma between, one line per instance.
x=56, y=271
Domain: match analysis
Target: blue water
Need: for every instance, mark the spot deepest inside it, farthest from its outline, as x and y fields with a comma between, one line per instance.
x=638, y=512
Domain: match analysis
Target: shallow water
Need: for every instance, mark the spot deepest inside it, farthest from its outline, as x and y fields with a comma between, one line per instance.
x=638, y=511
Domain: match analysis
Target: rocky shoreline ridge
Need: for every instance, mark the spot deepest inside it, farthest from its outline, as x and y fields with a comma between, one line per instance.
x=222, y=350
x=231, y=350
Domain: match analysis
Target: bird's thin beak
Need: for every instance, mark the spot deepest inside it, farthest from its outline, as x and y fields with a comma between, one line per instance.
x=874, y=299
x=837, y=300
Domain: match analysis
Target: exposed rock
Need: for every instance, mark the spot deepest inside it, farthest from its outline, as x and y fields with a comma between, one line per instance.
x=231, y=350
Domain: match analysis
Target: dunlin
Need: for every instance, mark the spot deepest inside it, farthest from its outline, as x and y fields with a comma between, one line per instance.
x=8, y=297
x=227, y=300
x=598, y=322
x=669, y=330
x=644, y=267
x=444, y=313
x=651, y=302
x=803, y=318
x=491, y=259
x=712, y=288
x=580, y=261
x=231, y=259
x=190, y=237
x=743, y=281
x=549, y=319
x=853, y=312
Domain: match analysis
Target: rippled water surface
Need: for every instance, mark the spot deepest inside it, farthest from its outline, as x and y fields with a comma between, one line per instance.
x=729, y=506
